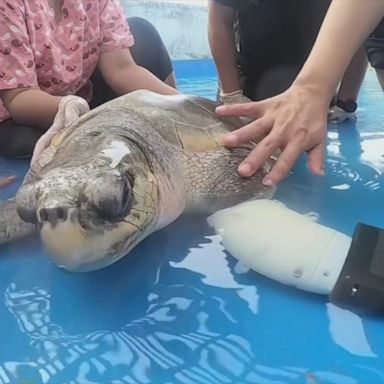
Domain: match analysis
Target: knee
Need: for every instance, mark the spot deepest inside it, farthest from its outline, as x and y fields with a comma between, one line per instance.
x=374, y=47
x=17, y=141
x=142, y=27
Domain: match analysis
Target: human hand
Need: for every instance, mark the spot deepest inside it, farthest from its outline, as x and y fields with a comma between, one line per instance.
x=6, y=180
x=236, y=97
x=294, y=122
x=69, y=110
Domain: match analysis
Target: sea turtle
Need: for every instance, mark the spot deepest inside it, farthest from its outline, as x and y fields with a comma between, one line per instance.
x=124, y=170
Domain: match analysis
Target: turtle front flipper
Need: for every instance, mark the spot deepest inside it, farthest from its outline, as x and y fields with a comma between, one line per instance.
x=11, y=226
x=214, y=183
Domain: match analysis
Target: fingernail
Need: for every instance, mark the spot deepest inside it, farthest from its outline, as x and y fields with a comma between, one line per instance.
x=268, y=182
x=245, y=170
x=230, y=140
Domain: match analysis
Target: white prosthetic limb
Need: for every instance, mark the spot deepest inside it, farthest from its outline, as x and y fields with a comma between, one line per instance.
x=282, y=244
x=69, y=110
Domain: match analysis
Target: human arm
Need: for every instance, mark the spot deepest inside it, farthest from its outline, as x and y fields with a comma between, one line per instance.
x=116, y=63
x=123, y=75
x=222, y=43
x=295, y=120
x=345, y=27
x=31, y=106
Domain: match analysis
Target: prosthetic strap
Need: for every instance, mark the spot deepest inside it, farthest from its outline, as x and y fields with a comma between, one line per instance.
x=360, y=286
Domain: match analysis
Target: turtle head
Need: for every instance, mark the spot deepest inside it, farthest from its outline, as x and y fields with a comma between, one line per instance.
x=92, y=213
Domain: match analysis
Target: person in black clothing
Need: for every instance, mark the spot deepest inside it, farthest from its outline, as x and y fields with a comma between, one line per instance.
x=374, y=47
x=259, y=47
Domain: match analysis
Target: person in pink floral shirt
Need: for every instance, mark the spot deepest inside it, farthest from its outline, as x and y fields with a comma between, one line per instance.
x=53, y=48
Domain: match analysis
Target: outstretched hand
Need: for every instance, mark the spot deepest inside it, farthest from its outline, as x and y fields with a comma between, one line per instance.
x=294, y=122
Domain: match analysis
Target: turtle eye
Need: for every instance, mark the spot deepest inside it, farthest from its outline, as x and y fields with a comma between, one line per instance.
x=110, y=196
x=26, y=202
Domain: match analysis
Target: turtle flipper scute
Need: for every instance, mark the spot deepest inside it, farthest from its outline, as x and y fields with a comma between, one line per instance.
x=11, y=226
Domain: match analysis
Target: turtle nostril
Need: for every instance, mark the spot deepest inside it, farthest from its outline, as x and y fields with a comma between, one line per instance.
x=53, y=215
x=61, y=214
x=43, y=214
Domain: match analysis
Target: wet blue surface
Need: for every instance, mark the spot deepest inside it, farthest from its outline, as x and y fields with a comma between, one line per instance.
x=176, y=310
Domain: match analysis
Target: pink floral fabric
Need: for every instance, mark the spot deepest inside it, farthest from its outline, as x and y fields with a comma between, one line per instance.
x=59, y=57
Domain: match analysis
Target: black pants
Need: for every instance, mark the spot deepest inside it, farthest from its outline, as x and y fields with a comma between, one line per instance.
x=275, y=39
x=374, y=47
x=149, y=52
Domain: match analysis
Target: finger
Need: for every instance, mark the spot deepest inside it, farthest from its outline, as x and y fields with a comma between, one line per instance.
x=36, y=152
x=59, y=117
x=258, y=156
x=40, y=145
x=74, y=110
x=71, y=114
x=316, y=159
x=57, y=126
x=4, y=181
x=252, y=131
x=253, y=109
x=83, y=107
x=284, y=164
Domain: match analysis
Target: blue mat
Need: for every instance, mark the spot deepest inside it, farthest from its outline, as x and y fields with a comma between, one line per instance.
x=176, y=311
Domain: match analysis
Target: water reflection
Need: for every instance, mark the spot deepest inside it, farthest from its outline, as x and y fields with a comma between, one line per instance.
x=343, y=324
x=217, y=272
x=135, y=351
x=167, y=314
x=353, y=160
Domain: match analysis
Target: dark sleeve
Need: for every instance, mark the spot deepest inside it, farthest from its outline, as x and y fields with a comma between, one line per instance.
x=235, y=4
x=241, y=4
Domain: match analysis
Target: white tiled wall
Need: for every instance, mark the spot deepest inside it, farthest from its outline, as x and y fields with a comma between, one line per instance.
x=181, y=23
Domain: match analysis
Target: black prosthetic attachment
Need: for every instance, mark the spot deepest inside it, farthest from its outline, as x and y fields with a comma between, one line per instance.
x=374, y=47
x=360, y=286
